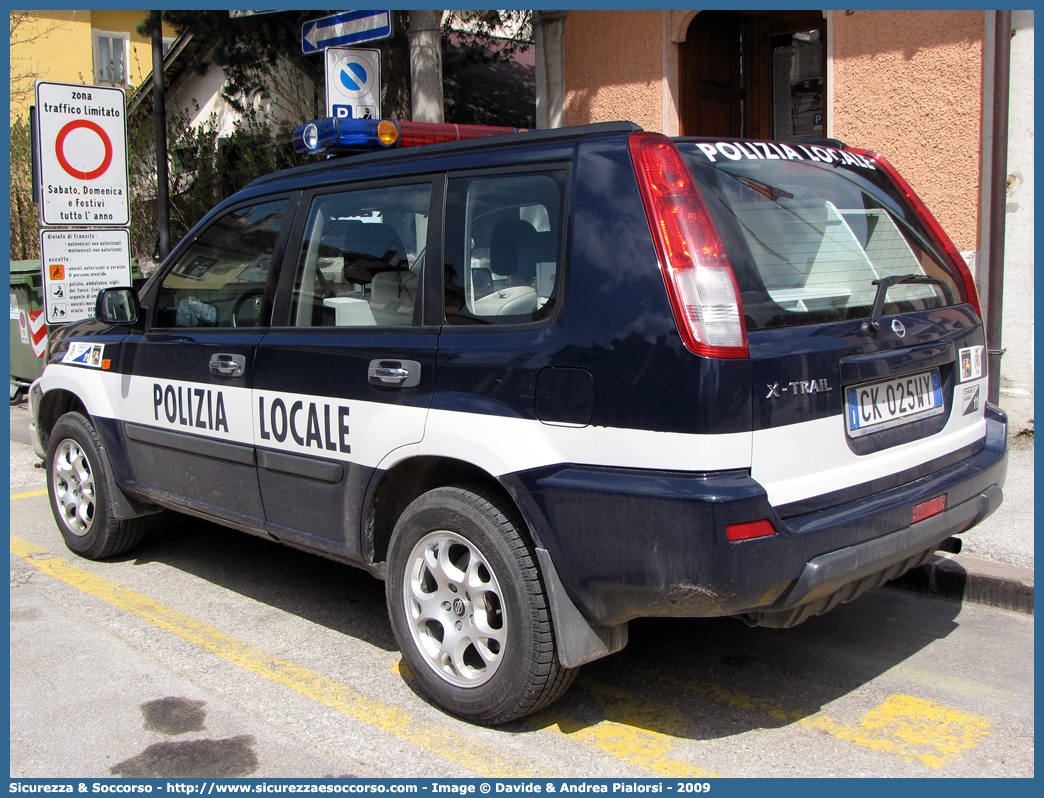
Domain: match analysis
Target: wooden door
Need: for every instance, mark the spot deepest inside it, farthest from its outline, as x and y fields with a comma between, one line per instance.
x=710, y=65
x=725, y=66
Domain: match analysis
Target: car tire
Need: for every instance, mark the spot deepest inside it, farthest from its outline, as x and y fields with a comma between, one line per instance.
x=469, y=609
x=78, y=488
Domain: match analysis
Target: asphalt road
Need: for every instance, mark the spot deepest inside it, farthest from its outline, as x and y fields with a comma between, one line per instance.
x=209, y=653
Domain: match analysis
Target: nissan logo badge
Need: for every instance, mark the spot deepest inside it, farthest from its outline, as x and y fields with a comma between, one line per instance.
x=898, y=328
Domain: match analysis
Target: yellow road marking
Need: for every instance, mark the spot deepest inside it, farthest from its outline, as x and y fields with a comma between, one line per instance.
x=956, y=684
x=640, y=732
x=444, y=742
x=911, y=728
x=646, y=749
x=727, y=695
x=27, y=495
x=904, y=726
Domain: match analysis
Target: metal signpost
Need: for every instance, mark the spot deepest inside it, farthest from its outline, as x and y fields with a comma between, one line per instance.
x=82, y=144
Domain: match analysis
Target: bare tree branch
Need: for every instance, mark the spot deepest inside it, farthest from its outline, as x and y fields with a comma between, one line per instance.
x=26, y=29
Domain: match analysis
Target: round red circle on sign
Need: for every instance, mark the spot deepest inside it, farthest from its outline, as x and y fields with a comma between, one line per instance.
x=59, y=149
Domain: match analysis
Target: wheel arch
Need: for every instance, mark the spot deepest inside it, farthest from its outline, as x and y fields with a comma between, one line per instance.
x=95, y=518
x=393, y=491
x=64, y=388
x=579, y=640
x=56, y=403
x=53, y=405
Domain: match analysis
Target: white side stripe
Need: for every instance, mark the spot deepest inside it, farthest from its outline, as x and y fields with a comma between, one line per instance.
x=799, y=461
x=380, y=435
x=792, y=462
x=504, y=445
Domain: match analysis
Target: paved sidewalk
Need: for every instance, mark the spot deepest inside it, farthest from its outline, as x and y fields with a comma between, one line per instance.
x=995, y=566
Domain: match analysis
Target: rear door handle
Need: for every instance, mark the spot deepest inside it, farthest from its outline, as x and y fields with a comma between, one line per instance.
x=394, y=373
x=224, y=365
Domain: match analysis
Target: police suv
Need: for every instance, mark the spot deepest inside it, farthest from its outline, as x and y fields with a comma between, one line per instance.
x=543, y=383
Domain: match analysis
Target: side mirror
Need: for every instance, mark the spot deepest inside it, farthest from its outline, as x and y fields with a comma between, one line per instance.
x=117, y=306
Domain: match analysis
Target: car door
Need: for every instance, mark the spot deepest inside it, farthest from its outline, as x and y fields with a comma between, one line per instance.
x=347, y=376
x=185, y=402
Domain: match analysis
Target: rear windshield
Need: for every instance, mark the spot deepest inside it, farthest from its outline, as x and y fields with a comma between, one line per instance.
x=807, y=238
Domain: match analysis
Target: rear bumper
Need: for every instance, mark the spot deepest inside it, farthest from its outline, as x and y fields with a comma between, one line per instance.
x=838, y=576
x=629, y=544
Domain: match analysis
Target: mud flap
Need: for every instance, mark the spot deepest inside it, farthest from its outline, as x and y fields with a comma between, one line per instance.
x=579, y=640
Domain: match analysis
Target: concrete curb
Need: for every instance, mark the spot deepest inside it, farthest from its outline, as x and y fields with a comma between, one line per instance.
x=963, y=578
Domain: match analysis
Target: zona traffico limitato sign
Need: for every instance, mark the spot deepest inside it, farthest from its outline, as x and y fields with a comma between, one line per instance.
x=82, y=132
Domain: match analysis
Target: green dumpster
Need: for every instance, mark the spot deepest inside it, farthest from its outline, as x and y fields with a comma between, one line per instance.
x=28, y=328
x=28, y=331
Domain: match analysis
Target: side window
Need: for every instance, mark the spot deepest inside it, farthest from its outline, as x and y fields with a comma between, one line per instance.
x=502, y=248
x=361, y=258
x=219, y=280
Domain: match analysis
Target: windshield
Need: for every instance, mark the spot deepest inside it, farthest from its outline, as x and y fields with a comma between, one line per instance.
x=808, y=239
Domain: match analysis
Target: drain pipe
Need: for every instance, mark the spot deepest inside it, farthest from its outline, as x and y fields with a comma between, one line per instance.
x=998, y=200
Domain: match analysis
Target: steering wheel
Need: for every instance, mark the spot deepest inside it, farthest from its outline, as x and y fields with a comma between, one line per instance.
x=247, y=310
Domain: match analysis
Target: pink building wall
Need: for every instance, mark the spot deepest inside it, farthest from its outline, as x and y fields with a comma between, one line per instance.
x=614, y=67
x=906, y=83
x=909, y=84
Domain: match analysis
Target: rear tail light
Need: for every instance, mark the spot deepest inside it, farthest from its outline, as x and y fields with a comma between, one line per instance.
x=749, y=530
x=972, y=295
x=699, y=278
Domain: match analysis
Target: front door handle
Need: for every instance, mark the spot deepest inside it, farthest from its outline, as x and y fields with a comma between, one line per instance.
x=394, y=373
x=227, y=365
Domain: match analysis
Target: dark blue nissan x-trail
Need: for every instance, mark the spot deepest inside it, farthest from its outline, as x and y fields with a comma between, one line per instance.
x=543, y=383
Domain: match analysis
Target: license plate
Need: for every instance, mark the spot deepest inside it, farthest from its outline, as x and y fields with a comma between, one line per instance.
x=875, y=406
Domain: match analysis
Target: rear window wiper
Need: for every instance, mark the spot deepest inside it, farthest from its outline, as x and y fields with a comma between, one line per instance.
x=887, y=282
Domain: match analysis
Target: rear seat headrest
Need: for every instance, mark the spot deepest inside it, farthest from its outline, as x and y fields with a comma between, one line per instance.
x=378, y=240
x=511, y=248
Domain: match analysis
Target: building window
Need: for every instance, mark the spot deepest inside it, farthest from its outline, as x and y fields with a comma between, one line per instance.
x=111, y=54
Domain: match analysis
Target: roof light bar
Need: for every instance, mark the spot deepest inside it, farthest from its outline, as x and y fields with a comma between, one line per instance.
x=337, y=135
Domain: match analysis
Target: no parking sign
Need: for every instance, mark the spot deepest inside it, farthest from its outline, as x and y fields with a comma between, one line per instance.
x=353, y=83
x=82, y=132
